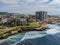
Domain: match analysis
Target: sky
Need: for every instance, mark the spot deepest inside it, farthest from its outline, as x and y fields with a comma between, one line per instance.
x=30, y=6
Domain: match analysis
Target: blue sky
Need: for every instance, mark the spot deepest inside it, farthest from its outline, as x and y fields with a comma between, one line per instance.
x=30, y=6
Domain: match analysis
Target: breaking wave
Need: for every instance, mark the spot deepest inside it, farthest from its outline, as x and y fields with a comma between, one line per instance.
x=40, y=36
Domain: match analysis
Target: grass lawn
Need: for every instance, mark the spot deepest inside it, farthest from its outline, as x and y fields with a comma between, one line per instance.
x=1, y=31
x=2, y=27
x=34, y=25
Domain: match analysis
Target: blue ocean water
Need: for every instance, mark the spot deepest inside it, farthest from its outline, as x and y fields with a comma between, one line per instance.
x=49, y=37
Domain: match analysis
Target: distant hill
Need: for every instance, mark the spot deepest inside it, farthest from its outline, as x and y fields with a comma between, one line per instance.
x=3, y=12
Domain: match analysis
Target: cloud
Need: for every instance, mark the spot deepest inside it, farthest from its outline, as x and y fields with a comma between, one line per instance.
x=9, y=1
x=49, y=1
x=55, y=2
x=30, y=6
x=30, y=0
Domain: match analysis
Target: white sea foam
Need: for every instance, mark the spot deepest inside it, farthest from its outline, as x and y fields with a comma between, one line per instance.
x=53, y=29
x=1, y=41
x=35, y=34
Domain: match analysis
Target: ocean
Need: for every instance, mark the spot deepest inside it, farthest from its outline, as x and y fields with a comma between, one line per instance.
x=49, y=37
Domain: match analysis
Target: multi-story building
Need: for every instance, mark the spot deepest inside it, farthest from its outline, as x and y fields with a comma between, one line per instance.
x=41, y=15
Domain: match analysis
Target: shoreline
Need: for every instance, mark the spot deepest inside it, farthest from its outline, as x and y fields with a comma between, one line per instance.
x=20, y=30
